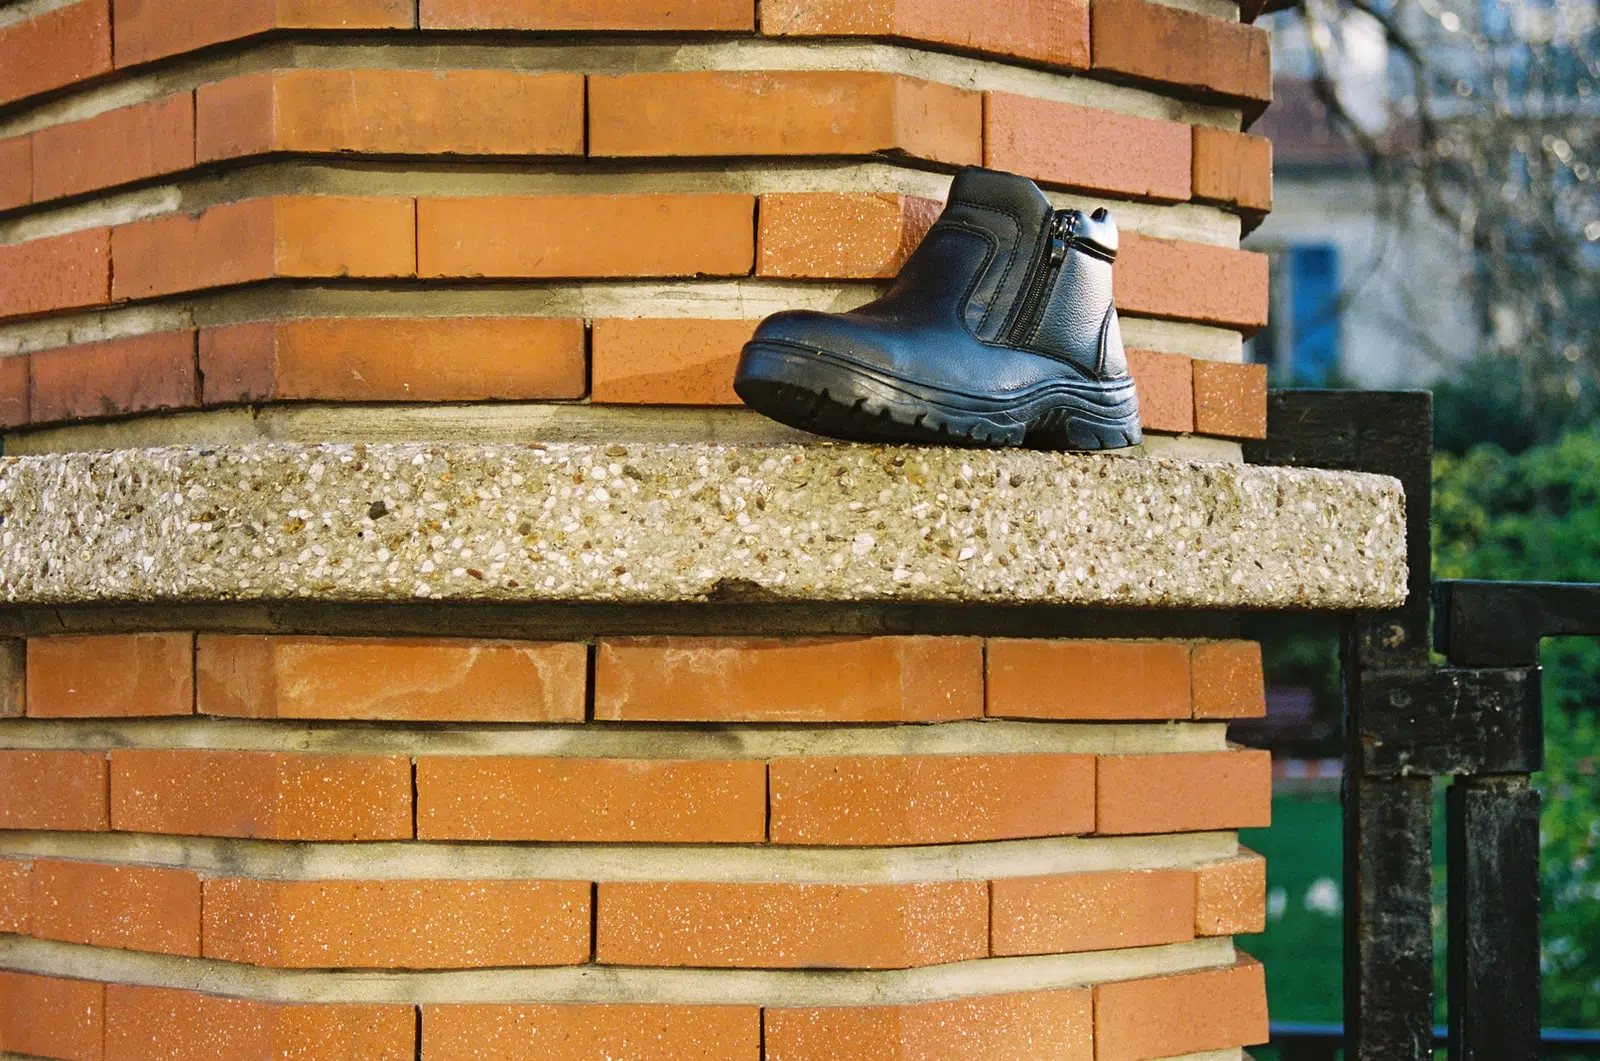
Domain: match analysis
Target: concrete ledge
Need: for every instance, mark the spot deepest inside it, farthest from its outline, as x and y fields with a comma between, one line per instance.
x=669, y=523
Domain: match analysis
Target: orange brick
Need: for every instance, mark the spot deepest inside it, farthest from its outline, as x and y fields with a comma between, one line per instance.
x=258, y=239
x=1230, y=400
x=265, y=795
x=666, y=362
x=1087, y=679
x=1092, y=911
x=1057, y=1025
x=143, y=1023
x=837, y=235
x=421, y=679
x=55, y=49
x=586, y=235
x=13, y=396
x=588, y=1032
x=646, y=801
x=16, y=172
x=43, y=1016
x=1199, y=53
x=405, y=359
x=930, y=799
x=139, y=374
x=53, y=790
x=1165, y=383
x=1094, y=150
x=397, y=924
x=391, y=112
x=802, y=112
x=589, y=14
x=1192, y=281
x=126, y=907
x=13, y=673
x=16, y=895
x=1231, y=896
x=1050, y=31
x=1184, y=792
x=1232, y=167
x=61, y=272
x=117, y=147
x=1228, y=680
x=1165, y=1016
x=805, y=679
x=154, y=29
x=792, y=926
x=111, y=675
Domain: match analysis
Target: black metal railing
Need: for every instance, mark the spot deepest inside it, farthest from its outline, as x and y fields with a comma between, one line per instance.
x=1322, y=1042
x=1476, y=720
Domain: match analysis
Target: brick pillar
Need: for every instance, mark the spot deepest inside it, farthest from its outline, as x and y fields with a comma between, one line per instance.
x=440, y=664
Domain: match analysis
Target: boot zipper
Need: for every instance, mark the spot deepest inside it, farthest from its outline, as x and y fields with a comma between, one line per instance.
x=1062, y=224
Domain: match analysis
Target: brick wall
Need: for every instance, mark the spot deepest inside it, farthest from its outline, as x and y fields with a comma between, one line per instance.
x=472, y=201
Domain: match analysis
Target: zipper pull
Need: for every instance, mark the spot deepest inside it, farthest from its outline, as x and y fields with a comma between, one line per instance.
x=1061, y=227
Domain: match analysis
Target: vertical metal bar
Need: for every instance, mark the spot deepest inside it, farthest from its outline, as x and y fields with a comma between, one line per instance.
x=1493, y=829
x=1388, y=919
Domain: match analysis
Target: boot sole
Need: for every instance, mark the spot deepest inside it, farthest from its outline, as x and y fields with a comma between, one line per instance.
x=818, y=392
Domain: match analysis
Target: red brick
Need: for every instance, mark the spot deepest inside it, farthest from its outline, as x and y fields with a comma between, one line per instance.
x=1034, y=678
x=1199, y=53
x=13, y=394
x=930, y=799
x=16, y=172
x=589, y=1032
x=60, y=272
x=144, y=1023
x=111, y=675
x=646, y=801
x=126, y=907
x=154, y=29
x=1092, y=911
x=802, y=112
x=417, y=679
x=1070, y=146
x=404, y=359
x=804, y=679
x=1230, y=400
x=16, y=896
x=840, y=235
x=1192, y=281
x=1165, y=1016
x=1232, y=167
x=1231, y=896
x=1165, y=383
x=1049, y=31
x=792, y=926
x=258, y=239
x=391, y=112
x=1228, y=680
x=1184, y=792
x=53, y=790
x=43, y=1016
x=55, y=49
x=117, y=147
x=397, y=924
x=1057, y=1025
x=138, y=374
x=586, y=235
x=666, y=361
x=261, y=795
x=589, y=14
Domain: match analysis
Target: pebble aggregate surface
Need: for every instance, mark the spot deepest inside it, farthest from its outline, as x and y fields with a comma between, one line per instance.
x=663, y=523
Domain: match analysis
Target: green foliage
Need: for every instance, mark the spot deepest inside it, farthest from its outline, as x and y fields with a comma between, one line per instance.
x=1536, y=516
x=1485, y=403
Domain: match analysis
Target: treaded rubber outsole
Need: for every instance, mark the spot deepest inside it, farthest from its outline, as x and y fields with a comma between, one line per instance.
x=820, y=394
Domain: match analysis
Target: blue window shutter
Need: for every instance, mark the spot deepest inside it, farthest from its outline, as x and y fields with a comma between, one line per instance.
x=1314, y=308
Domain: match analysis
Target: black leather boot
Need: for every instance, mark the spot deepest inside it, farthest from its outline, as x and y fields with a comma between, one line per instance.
x=999, y=330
